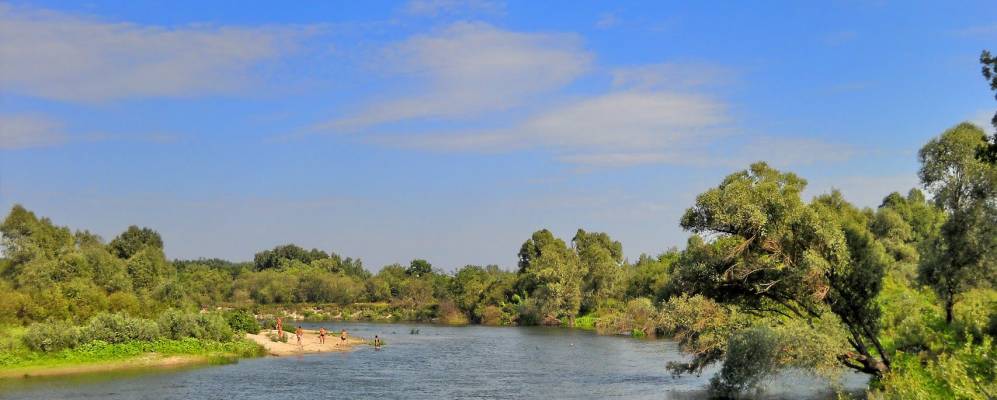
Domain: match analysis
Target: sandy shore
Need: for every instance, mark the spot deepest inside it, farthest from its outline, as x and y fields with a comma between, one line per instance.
x=309, y=343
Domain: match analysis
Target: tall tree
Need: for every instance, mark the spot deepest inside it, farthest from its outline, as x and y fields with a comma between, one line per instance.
x=965, y=188
x=279, y=255
x=770, y=253
x=419, y=267
x=602, y=258
x=551, y=274
x=133, y=240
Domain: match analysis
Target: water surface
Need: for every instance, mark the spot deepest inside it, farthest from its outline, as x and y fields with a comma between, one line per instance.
x=439, y=362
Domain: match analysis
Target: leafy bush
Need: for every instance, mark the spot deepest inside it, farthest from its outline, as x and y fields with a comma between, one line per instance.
x=51, y=336
x=969, y=372
x=751, y=356
x=119, y=328
x=175, y=324
x=242, y=321
x=275, y=338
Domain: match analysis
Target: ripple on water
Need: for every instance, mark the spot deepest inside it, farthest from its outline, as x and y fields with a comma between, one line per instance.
x=439, y=362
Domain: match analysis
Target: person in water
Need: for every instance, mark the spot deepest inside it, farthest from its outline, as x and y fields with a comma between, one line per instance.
x=343, y=335
x=321, y=335
x=377, y=343
x=298, y=332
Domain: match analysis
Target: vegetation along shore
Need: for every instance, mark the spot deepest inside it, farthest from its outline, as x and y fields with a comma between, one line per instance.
x=768, y=280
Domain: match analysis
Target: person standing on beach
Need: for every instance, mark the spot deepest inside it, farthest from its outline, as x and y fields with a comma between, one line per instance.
x=321, y=335
x=280, y=327
x=343, y=335
x=298, y=332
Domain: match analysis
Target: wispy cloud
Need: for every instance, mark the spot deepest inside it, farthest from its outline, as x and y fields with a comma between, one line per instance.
x=471, y=68
x=608, y=20
x=67, y=57
x=24, y=131
x=671, y=76
x=626, y=120
x=451, y=7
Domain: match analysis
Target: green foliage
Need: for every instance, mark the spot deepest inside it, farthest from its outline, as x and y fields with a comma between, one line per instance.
x=701, y=326
x=772, y=254
x=962, y=255
x=102, y=351
x=419, y=268
x=752, y=355
x=51, y=336
x=176, y=324
x=552, y=275
x=649, y=277
x=133, y=240
x=968, y=372
x=988, y=152
x=119, y=328
x=601, y=258
x=282, y=255
x=242, y=321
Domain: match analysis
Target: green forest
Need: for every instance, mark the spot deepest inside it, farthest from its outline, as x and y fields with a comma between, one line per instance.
x=768, y=280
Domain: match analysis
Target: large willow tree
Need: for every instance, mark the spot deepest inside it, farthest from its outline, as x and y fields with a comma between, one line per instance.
x=765, y=251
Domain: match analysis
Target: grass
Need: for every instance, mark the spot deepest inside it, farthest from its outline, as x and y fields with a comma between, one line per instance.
x=98, y=352
x=586, y=322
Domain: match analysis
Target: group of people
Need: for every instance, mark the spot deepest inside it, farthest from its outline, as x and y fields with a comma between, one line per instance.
x=343, y=335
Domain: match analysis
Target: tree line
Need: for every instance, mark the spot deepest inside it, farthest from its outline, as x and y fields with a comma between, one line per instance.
x=904, y=292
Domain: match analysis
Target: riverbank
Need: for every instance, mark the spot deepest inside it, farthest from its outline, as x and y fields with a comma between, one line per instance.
x=158, y=361
x=310, y=343
x=104, y=357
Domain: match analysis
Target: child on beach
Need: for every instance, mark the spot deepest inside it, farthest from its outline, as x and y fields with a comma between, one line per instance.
x=321, y=335
x=342, y=335
x=299, y=332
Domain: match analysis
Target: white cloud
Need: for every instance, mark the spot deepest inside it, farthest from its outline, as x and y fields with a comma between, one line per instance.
x=472, y=68
x=670, y=75
x=67, y=57
x=628, y=120
x=24, y=131
x=443, y=7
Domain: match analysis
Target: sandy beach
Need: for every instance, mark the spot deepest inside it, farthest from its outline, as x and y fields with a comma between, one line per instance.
x=309, y=343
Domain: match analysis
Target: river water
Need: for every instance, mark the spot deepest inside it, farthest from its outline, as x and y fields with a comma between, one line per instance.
x=438, y=362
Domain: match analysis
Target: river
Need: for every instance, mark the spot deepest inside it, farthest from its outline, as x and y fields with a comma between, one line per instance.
x=438, y=362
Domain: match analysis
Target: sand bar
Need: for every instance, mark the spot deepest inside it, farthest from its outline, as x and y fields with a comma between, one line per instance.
x=309, y=343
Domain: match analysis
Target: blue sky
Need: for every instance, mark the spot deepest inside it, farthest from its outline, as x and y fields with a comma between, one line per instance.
x=451, y=130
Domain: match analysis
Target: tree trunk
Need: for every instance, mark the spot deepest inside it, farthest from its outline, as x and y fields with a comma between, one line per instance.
x=949, y=304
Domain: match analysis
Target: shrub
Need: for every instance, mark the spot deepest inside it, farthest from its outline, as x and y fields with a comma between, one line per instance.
x=491, y=315
x=451, y=315
x=175, y=324
x=751, y=356
x=275, y=338
x=242, y=321
x=119, y=328
x=124, y=302
x=51, y=336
